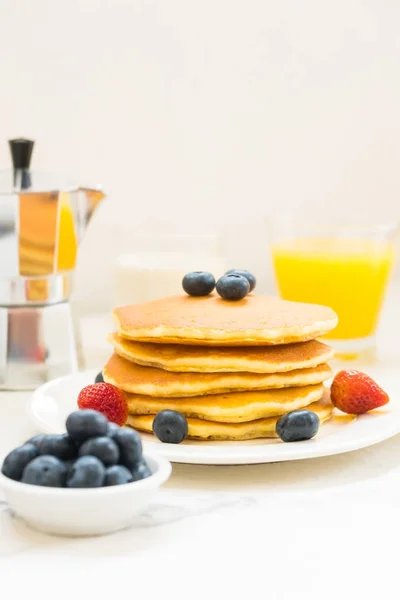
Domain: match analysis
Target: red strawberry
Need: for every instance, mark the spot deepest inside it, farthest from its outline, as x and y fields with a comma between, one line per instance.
x=107, y=399
x=356, y=393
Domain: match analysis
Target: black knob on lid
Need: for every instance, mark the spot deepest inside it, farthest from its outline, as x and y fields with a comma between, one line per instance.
x=21, y=152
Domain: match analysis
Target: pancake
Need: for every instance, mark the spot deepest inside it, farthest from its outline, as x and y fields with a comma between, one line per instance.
x=210, y=320
x=236, y=407
x=137, y=379
x=206, y=359
x=199, y=429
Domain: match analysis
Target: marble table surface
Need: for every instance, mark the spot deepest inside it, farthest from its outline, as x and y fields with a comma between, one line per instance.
x=322, y=528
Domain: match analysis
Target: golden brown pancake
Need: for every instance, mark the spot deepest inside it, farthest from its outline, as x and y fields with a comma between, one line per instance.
x=199, y=429
x=210, y=320
x=137, y=379
x=236, y=407
x=212, y=359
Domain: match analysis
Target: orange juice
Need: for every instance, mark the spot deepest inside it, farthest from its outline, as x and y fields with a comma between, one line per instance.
x=349, y=275
x=67, y=241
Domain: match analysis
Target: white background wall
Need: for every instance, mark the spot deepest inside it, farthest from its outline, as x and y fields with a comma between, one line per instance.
x=206, y=113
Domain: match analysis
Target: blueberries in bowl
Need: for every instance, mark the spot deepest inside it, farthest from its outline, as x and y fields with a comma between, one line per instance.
x=104, y=448
x=130, y=447
x=36, y=439
x=244, y=273
x=60, y=446
x=198, y=283
x=86, y=472
x=118, y=475
x=233, y=287
x=94, y=453
x=140, y=471
x=112, y=429
x=16, y=461
x=47, y=471
x=87, y=423
x=170, y=426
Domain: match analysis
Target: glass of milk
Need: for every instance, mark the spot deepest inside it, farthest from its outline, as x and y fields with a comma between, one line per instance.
x=157, y=263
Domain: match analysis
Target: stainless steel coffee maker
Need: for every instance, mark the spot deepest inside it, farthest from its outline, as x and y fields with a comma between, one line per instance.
x=42, y=221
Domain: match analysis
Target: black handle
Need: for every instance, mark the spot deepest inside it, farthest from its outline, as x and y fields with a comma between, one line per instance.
x=21, y=152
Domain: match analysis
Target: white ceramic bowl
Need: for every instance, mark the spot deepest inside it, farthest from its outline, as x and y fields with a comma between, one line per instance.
x=78, y=512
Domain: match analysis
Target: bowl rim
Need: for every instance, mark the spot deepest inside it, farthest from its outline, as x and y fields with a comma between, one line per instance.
x=162, y=472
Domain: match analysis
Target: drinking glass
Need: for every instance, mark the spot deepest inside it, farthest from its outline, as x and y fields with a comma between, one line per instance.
x=157, y=262
x=345, y=267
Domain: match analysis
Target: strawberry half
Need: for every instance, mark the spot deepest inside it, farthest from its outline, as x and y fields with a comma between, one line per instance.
x=107, y=399
x=355, y=393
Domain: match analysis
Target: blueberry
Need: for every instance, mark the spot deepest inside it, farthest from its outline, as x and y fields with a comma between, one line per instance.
x=297, y=425
x=68, y=463
x=249, y=276
x=36, y=439
x=130, y=446
x=233, y=287
x=86, y=472
x=99, y=378
x=87, y=423
x=170, y=426
x=104, y=448
x=60, y=446
x=16, y=461
x=45, y=470
x=198, y=283
x=140, y=471
x=117, y=475
x=112, y=429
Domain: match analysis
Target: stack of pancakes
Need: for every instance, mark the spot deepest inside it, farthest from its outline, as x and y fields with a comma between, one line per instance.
x=232, y=368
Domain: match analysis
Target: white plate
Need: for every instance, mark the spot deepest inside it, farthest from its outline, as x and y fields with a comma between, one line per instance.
x=52, y=402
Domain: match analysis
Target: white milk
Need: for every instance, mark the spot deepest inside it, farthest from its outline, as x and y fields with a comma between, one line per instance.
x=145, y=276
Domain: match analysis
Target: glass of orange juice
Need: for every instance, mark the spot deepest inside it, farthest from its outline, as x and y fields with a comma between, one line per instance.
x=344, y=267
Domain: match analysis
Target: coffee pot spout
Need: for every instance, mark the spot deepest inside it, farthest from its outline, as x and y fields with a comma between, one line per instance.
x=93, y=197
